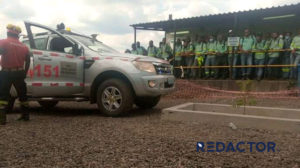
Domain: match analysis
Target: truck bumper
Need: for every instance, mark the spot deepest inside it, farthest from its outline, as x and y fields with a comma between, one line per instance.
x=154, y=85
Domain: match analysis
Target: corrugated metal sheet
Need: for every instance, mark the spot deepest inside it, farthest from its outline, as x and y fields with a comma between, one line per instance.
x=164, y=24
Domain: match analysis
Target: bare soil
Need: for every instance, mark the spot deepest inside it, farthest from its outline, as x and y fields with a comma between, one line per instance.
x=77, y=135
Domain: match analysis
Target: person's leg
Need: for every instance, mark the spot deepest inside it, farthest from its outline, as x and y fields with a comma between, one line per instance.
x=286, y=70
x=234, y=63
x=271, y=70
x=292, y=60
x=296, y=62
x=194, y=70
x=249, y=62
x=207, y=63
x=243, y=63
x=4, y=95
x=21, y=89
x=213, y=63
x=260, y=70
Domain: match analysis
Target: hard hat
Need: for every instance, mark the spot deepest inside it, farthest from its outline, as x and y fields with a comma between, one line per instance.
x=13, y=29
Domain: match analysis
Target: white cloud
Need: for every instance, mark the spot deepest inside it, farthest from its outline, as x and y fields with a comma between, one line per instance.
x=112, y=18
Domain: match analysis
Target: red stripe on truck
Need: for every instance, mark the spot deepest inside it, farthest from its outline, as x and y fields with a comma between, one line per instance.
x=69, y=84
x=69, y=56
x=37, y=84
x=54, y=54
x=37, y=52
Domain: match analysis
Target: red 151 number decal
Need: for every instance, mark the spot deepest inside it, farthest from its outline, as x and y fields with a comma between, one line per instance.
x=47, y=71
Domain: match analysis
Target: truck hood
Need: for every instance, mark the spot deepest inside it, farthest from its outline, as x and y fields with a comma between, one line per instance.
x=133, y=57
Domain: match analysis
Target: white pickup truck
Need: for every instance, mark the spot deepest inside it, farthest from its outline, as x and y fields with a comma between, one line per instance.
x=66, y=66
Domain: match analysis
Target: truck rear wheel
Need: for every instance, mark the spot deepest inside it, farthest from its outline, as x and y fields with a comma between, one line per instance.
x=48, y=104
x=114, y=97
x=147, y=102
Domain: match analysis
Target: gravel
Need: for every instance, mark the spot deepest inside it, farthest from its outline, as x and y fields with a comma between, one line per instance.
x=77, y=135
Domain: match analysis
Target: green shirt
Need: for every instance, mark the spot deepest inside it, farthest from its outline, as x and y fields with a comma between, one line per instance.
x=296, y=44
x=212, y=47
x=276, y=44
x=140, y=50
x=257, y=47
x=134, y=52
x=200, y=49
x=221, y=47
x=166, y=51
x=152, y=51
x=178, y=49
x=247, y=43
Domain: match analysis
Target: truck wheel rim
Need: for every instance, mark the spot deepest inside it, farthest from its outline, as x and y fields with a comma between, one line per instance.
x=111, y=98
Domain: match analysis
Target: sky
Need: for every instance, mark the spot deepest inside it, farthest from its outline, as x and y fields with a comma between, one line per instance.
x=111, y=18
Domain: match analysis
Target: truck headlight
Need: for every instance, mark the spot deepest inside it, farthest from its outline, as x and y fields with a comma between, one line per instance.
x=144, y=66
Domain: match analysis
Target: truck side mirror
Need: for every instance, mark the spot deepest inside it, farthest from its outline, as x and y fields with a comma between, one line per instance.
x=77, y=50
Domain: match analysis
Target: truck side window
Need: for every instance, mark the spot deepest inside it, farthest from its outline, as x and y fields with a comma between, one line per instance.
x=40, y=43
x=60, y=45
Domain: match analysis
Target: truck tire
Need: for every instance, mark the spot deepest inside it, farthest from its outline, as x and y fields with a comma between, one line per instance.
x=48, y=104
x=147, y=102
x=114, y=97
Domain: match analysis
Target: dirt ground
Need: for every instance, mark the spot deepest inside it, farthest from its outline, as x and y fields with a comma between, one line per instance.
x=77, y=135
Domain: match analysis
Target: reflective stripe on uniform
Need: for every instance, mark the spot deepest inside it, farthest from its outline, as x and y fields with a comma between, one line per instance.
x=24, y=104
x=3, y=102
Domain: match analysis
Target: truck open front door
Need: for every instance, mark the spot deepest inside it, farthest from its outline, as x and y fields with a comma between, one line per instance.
x=57, y=70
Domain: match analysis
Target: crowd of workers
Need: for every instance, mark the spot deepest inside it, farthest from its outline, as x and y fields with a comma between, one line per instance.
x=210, y=56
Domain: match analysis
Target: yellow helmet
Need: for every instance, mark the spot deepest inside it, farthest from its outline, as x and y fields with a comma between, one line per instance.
x=18, y=29
x=13, y=29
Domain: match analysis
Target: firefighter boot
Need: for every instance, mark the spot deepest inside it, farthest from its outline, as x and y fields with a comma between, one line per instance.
x=25, y=112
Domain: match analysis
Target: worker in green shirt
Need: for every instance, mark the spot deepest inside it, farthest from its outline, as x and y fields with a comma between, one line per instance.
x=178, y=57
x=246, y=44
x=134, y=51
x=221, y=58
x=232, y=57
x=141, y=50
x=286, y=71
x=152, y=50
x=189, y=56
x=159, y=50
x=295, y=46
x=200, y=49
x=166, y=50
x=259, y=48
x=211, y=57
x=273, y=57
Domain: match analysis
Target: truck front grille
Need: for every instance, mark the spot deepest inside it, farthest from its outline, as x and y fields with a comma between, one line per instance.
x=163, y=69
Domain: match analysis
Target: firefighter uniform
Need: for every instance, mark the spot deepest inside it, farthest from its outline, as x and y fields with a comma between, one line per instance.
x=276, y=44
x=210, y=59
x=14, y=54
x=200, y=49
x=295, y=45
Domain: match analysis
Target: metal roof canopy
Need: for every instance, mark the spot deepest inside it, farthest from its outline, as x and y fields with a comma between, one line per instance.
x=233, y=20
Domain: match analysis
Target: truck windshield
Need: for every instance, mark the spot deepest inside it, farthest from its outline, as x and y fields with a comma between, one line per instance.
x=94, y=45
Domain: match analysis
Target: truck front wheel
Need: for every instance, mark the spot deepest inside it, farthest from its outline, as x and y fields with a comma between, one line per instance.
x=147, y=102
x=114, y=97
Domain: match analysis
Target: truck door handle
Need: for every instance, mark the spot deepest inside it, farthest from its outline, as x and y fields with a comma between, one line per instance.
x=44, y=58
